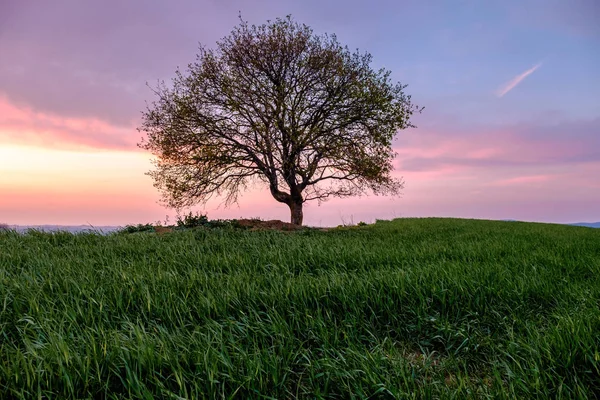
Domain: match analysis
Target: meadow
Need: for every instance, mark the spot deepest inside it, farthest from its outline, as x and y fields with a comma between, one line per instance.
x=410, y=308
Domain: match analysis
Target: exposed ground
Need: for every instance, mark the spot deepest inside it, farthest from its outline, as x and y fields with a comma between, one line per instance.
x=254, y=224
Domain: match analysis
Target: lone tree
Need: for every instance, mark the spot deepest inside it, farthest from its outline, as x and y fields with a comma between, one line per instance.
x=280, y=105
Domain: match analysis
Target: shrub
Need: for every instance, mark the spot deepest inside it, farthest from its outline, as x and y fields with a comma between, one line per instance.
x=192, y=220
x=196, y=220
x=137, y=228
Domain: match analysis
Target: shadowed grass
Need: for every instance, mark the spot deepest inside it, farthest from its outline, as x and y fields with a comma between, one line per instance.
x=410, y=308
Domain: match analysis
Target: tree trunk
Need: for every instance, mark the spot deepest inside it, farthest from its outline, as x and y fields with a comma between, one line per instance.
x=296, y=212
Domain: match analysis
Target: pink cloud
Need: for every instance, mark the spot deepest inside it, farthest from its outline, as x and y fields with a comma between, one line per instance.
x=509, y=171
x=20, y=125
x=524, y=144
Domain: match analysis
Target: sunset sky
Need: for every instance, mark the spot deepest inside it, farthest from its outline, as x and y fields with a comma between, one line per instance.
x=510, y=130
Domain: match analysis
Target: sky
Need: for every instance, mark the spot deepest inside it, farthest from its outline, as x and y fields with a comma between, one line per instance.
x=510, y=129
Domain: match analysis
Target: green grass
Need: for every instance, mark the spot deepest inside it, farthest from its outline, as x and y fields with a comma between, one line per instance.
x=410, y=308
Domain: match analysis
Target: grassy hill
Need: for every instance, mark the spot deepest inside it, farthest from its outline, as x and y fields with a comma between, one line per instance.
x=410, y=308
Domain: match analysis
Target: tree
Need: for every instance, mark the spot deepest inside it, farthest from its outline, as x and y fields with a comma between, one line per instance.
x=280, y=105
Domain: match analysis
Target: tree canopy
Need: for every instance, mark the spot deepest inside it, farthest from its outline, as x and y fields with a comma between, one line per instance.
x=278, y=105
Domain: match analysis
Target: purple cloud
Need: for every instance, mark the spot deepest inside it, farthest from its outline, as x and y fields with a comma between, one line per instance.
x=576, y=17
x=82, y=59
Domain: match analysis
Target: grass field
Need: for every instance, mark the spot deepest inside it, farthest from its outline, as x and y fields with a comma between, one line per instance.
x=410, y=308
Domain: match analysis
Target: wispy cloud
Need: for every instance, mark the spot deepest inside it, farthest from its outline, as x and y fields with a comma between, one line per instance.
x=510, y=85
x=524, y=180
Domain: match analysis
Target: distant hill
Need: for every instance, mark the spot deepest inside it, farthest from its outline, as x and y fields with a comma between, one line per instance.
x=68, y=228
x=588, y=224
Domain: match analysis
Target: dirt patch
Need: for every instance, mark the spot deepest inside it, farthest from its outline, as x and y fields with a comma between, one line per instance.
x=249, y=224
x=256, y=225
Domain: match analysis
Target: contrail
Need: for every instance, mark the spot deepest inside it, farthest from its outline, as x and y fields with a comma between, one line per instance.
x=516, y=80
